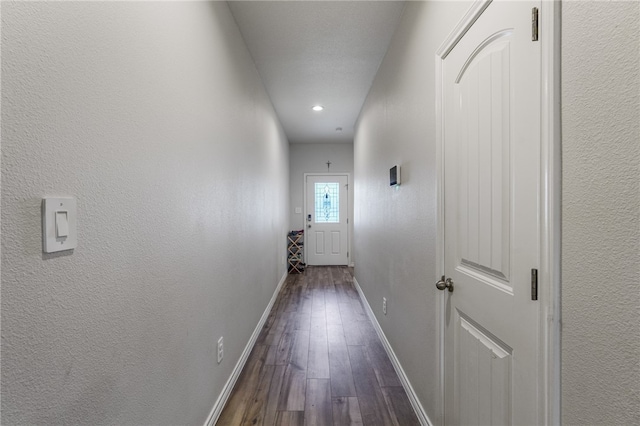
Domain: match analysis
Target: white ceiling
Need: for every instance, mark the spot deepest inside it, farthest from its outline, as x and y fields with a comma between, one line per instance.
x=317, y=52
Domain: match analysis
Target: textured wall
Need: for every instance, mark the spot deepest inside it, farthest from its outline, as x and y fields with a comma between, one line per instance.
x=601, y=205
x=153, y=116
x=395, y=228
x=312, y=158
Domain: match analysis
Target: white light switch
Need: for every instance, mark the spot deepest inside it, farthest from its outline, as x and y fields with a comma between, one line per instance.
x=298, y=210
x=59, y=224
x=62, y=225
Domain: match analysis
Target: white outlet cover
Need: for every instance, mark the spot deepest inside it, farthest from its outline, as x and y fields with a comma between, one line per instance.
x=52, y=207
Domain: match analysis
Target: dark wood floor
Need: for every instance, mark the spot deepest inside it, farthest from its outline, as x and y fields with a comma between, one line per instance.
x=318, y=361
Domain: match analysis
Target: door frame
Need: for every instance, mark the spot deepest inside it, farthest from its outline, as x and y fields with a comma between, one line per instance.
x=550, y=202
x=304, y=208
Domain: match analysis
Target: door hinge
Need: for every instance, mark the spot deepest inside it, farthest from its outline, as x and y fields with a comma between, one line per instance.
x=534, y=24
x=534, y=284
x=347, y=254
x=347, y=220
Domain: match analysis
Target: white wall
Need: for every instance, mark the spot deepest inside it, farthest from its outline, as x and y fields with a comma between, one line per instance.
x=153, y=116
x=395, y=228
x=312, y=158
x=601, y=208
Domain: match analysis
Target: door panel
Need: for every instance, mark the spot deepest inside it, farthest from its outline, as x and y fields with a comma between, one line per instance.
x=484, y=163
x=326, y=209
x=335, y=242
x=491, y=83
x=484, y=380
x=319, y=236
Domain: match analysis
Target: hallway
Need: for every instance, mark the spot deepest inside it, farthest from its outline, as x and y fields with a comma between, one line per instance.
x=318, y=361
x=159, y=123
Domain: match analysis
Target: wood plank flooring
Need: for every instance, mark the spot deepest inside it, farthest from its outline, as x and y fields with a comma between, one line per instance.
x=318, y=362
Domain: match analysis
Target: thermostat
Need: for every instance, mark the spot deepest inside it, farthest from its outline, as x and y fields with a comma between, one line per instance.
x=394, y=176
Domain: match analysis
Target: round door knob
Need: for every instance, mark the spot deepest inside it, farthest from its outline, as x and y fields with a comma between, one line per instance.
x=443, y=284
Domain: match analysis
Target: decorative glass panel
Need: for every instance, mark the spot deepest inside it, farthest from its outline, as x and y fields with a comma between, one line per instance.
x=327, y=202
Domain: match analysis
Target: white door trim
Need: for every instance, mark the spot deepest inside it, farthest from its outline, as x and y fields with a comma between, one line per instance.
x=550, y=227
x=551, y=207
x=349, y=221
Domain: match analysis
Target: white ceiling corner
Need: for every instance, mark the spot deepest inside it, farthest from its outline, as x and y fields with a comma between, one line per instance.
x=317, y=52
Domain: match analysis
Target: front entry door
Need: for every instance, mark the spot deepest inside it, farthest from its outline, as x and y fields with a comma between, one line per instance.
x=491, y=123
x=326, y=219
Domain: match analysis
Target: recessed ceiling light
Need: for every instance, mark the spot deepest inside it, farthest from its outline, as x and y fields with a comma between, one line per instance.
x=317, y=108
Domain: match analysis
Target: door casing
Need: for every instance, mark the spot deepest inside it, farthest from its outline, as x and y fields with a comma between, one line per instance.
x=550, y=206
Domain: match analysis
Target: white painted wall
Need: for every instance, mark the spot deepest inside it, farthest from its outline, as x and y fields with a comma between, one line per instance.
x=395, y=228
x=312, y=158
x=601, y=209
x=153, y=116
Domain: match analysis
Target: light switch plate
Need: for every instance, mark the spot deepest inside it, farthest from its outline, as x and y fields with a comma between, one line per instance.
x=50, y=207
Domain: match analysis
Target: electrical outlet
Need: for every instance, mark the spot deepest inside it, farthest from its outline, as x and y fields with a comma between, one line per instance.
x=220, y=349
x=384, y=305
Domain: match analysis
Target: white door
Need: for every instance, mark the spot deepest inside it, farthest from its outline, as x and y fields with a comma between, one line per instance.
x=326, y=233
x=491, y=121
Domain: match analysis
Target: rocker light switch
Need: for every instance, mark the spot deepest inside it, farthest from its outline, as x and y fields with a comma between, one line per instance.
x=62, y=225
x=59, y=224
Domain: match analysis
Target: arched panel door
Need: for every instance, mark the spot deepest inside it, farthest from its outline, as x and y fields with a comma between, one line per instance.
x=491, y=124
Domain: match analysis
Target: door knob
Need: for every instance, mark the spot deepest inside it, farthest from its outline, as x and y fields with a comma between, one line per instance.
x=445, y=284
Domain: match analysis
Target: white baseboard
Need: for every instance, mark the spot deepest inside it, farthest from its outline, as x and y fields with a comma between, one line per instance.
x=406, y=384
x=228, y=387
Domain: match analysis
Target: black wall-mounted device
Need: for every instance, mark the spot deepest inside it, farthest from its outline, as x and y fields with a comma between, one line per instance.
x=394, y=176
